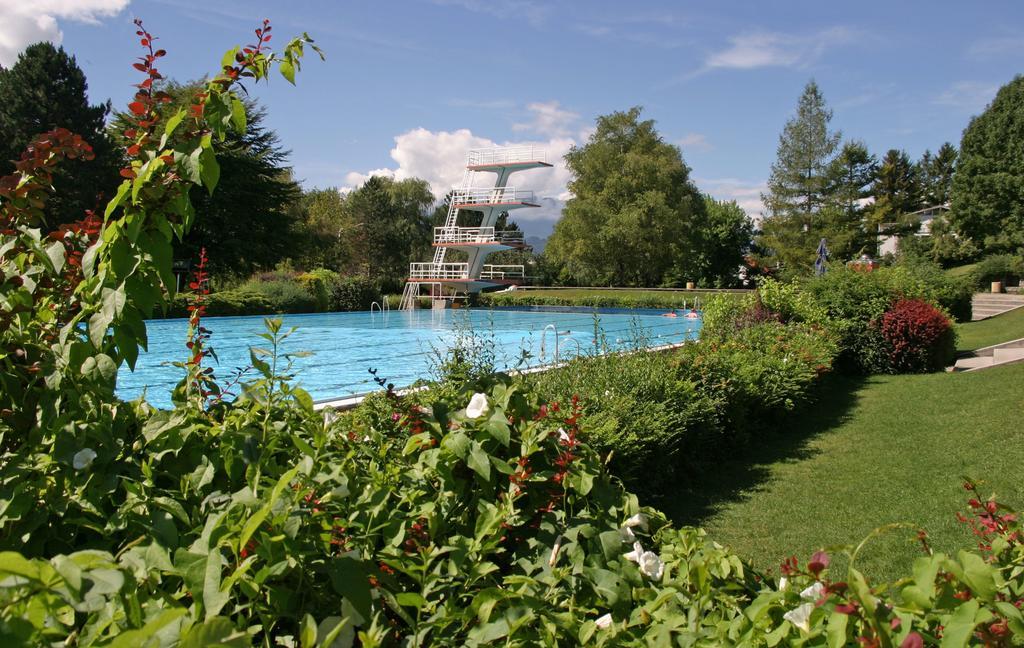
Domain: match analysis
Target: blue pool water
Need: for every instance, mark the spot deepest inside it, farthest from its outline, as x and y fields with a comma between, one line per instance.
x=402, y=346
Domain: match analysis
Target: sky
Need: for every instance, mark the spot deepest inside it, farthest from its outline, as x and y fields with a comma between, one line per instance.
x=409, y=86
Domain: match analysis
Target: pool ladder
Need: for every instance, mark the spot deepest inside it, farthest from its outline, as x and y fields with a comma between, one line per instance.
x=386, y=308
x=556, y=333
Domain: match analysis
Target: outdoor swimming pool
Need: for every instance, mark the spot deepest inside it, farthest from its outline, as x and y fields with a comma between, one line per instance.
x=402, y=346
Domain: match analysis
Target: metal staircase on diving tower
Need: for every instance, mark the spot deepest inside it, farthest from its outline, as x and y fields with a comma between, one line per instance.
x=447, y=281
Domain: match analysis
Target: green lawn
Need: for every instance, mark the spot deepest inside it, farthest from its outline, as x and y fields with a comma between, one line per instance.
x=975, y=335
x=871, y=452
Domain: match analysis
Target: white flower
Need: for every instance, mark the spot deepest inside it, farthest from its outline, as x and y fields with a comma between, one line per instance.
x=604, y=621
x=563, y=436
x=637, y=520
x=648, y=561
x=634, y=555
x=783, y=583
x=83, y=458
x=800, y=616
x=330, y=415
x=477, y=406
x=651, y=565
x=814, y=592
x=627, y=534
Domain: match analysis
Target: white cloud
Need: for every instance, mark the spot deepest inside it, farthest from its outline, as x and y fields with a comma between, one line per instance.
x=695, y=141
x=23, y=22
x=970, y=96
x=747, y=194
x=549, y=120
x=439, y=157
x=776, y=49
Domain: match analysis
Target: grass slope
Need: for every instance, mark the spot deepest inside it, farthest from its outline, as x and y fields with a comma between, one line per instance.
x=1001, y=328
x=887, y=449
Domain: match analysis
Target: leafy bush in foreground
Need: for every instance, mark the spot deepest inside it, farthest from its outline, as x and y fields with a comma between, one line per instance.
x=655, y=414
x=920, y=337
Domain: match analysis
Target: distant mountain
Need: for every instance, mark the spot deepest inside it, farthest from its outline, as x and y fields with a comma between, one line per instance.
x=536, y=242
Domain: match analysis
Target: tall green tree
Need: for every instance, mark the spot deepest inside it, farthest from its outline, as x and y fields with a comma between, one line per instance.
x=391, y=225
x=896, y=191
x=936, y=175
x=43, y=90
x=249, y=223
x=849, y=180
x=722, y=239
x=324, y=231
x=798, y=186
x=988, y=187
x=634, y=208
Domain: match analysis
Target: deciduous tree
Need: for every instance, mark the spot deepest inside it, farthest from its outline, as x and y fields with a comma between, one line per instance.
x=634, y=208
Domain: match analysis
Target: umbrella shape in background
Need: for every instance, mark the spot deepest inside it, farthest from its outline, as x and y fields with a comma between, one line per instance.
x=819, y=263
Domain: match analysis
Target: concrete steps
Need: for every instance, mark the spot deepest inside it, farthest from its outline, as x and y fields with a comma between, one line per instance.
x=985, y=305
x=993, y=356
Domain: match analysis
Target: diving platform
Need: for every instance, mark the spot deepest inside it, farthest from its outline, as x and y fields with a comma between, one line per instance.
x=448, y=281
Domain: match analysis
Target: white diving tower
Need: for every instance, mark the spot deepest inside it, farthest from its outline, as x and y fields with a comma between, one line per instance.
x=447, y=281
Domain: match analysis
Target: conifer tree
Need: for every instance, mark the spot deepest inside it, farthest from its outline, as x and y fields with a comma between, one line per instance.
x=43, y=90
x=798, y=187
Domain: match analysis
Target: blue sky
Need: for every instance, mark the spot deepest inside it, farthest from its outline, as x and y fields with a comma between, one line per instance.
x=408, y=86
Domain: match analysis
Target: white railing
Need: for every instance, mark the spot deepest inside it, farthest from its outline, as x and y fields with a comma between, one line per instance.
x=491, y=271
x=489, y=195
x=506, y=155
x=438, y=270
x=456, y=235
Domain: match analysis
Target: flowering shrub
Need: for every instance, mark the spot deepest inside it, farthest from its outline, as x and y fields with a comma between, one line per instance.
x=920, y=337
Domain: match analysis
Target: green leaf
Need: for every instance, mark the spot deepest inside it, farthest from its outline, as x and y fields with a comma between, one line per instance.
x=411, y=599
x=133, y=638
x=307, y=631
x=960, y=627
x=238, y=117
x=118, y=198
x=478, y=461
x=497, y=427
x=456, y=443
x=837, y=629
x=978, y=574
x=215, y=631
x=287, y=70
x=173, y=122
x=349, y=579
x=209, y=169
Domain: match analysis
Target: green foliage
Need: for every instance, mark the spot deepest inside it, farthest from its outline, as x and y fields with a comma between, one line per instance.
x=661, y=416
x=718, y=253
x=998, y=267
x=390, y=224
x=247, y=224
x=44, y=90
x=634, y=213
x=320, y=283
x=935, y=173
x=798, y=187
x=988, y=188
x=897, y=192
x=855, y=302
x=598, y=299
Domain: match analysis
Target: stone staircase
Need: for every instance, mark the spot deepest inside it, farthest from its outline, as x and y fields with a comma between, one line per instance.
x=985, y=305
x=999, y=354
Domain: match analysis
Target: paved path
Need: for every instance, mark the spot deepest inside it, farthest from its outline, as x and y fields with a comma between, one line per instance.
x=985, y=305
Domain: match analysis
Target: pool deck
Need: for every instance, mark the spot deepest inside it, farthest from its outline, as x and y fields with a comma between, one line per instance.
x=355, y=400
